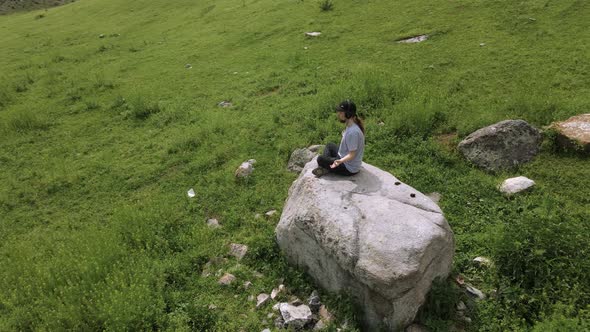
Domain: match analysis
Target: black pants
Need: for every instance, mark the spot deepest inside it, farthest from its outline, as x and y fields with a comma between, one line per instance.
x=327, y=158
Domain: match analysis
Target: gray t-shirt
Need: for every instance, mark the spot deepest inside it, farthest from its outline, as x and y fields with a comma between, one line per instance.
x=353, y=139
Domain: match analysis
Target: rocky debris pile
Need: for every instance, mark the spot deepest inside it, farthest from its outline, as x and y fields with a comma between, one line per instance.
x=371, y=236
x=503, y=145
x=574, y=133
x=245, y=169
x=300, y=157
x=515, y=185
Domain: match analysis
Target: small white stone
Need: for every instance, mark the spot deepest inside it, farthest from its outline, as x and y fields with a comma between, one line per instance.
x=213, y=223
x=516, y=185
x=276, y=307
x=191, y=193
x=483, y=261
x=247, y=284
x=250, y=298
x=271, y=213
x=313, y=34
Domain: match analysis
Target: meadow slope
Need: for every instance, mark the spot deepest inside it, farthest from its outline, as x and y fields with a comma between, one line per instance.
x=102, y=136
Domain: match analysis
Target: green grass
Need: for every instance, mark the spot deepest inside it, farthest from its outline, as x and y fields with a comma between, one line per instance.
x=101, y=138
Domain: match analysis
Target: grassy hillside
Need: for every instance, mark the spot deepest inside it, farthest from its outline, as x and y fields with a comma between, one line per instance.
x=101, y=137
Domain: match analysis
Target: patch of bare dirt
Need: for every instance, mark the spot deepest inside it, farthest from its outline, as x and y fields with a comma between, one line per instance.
x=10, y=6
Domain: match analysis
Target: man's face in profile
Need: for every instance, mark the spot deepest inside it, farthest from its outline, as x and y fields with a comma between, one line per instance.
x=341, y=117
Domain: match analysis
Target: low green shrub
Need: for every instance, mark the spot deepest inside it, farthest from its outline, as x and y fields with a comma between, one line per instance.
x=24, y=121
x=541, y=254
x=326, y=5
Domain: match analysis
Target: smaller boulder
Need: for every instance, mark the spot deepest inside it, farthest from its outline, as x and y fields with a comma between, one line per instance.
x=574, y=132
x=515, y=185
x=503, y=145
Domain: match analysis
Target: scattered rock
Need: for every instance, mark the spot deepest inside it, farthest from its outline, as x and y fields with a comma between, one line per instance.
x=275, y=292
x=482, y=261
x=314, y=302
x=325, y=315
x=415, y=39
x=188, y=66
x=247, y=284
x=257, y=274
x=270, y=315
x=482, y=44
x=313, y=34
x=101, y=36
x=270, y=213
x=280, y=322
x=515, y=185
x=295, y=316
x=250, y=298
x=461, y=306
x=503, y=145
x=320, y=325
x=213, y=223
x=191, y=193
x=305, y=47
x=416, y=328
x=474, y=292
x=294, y=300
x=300, y=157
x=467, y=320
x=276, y=307
x=261, y=300
x=435, y=197
x=367, y=237
x=227, y=279
x=212, y=307
x=381, y=123
x=266, y=330
x=257, y=216
x=574, y=133
x=225, y=103
x=245, y=169
x=238, y=250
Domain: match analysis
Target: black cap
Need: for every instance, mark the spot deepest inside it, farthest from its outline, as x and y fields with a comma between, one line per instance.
x=348, y=107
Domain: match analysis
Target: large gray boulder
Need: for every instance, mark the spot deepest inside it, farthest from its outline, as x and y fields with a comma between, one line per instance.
x=503, y=145
x=369, y=236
